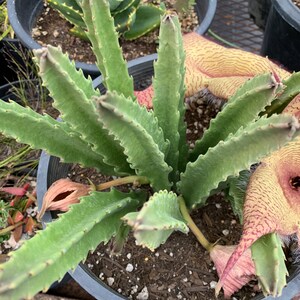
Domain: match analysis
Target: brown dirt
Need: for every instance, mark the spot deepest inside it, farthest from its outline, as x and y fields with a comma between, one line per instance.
x=297, y=3
x=52, y=29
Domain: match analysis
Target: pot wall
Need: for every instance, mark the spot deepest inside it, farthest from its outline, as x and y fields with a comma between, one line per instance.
x=9, y=49
x=281, y=41
x=259, y=11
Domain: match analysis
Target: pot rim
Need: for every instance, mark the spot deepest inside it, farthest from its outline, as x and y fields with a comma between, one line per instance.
x=289, y=11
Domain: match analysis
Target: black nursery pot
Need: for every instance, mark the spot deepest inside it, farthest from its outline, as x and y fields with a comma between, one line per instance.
x=9, y=52
x=259, y=11
x=51, y=169
x=281, y=41
x=23, y=15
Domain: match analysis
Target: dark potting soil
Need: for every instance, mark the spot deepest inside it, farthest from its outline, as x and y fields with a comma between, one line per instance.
x=297, y=3
x=53, y=29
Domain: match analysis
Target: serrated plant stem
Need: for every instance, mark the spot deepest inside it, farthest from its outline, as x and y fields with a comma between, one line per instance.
x=135, y=180
x=193, y=227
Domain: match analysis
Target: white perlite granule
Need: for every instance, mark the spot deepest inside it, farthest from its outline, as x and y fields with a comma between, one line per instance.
x=143, y=294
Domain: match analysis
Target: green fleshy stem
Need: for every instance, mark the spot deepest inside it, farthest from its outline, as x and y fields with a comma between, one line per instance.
x=135, y=180
x=10, y=228
x=193, y=227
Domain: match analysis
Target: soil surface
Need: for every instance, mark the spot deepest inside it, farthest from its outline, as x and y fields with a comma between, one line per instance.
x=53, y=29
x=297, y=2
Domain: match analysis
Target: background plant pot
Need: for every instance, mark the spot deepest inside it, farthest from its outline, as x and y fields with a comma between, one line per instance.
x=23, y=15
x=9, y=52
x=259, y=11
x=281, y=40
x=50, y=169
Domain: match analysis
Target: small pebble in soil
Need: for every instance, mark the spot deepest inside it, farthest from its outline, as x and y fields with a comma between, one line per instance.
x=143, y=294
x=55, y=33
x=129, y=268
x=110, y=281
x=32, y=211
x=213, y=284
x=128, y=255
x=218, y=205
x=134, y=289
x=225, y=232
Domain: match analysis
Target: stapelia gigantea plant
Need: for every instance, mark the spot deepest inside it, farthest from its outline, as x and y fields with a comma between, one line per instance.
x=117, y=136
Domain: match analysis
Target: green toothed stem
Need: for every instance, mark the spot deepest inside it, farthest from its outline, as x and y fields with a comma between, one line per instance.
x=196, y=231
x=136, y=180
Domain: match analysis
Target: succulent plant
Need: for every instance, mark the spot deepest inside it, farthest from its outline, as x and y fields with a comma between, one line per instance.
x=117, y=136
x=131, y=17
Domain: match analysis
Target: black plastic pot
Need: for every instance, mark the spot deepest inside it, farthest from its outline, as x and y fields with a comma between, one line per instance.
x=9, y=50
x=51, y=169
x=23, y=15
x=281, y=41
x=6, y=91
x=259, y=11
